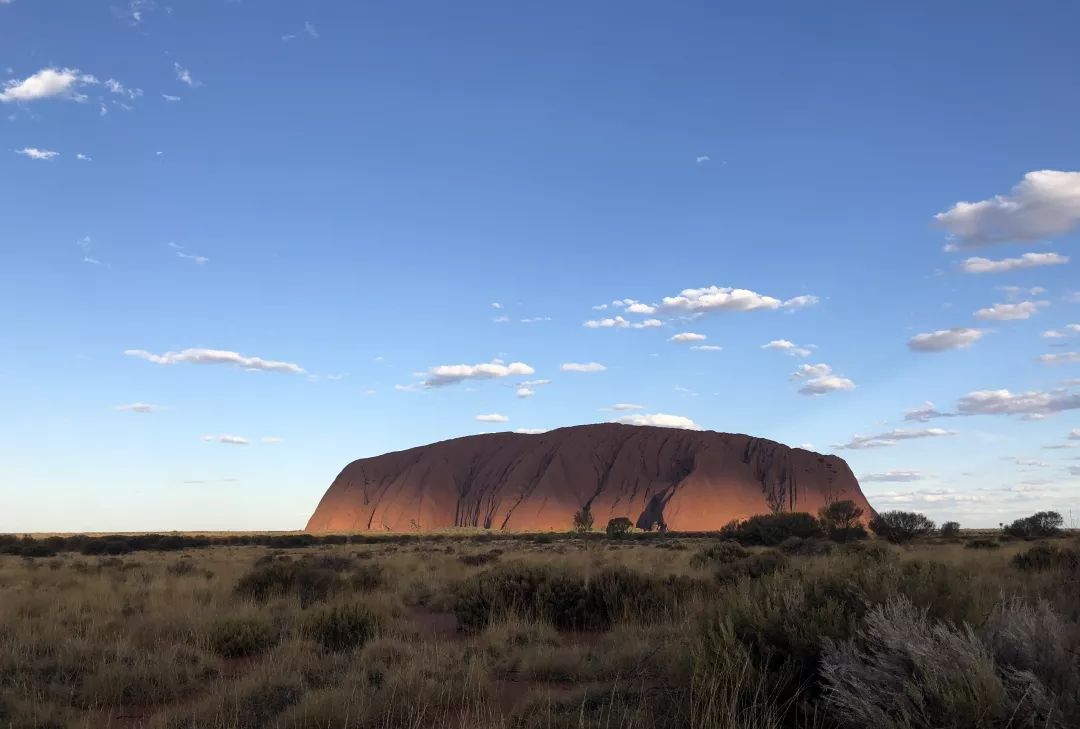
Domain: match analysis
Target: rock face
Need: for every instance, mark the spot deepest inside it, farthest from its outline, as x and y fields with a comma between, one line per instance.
x=687, y=480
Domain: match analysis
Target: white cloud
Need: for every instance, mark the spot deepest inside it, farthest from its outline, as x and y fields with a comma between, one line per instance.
x=1030, y=462
x=892, y=437
x=530, y=431
x=661, y=420
x=35, y=153
x=1003, y=402
x=783, y=345
x=1011, y=312
x=1065, y=331
x=1062, y=358
x=819, y=379
x=47, y=83
x=444, y=375
x=624, y=406
x=496, y=305
x=137, y=407
x=170, y=98
x=227, y=439
x=892, y=477
x=534, y=383
x=702, y=159
x=925, y=412
x=600, y=307
x=272, y=439
x=310, y=30
x=801, y=302
x=1028, y=260
x=946, y=339
x=216, y=356
x=715, y=298
x=524, y=392
x=492, y=418
x=647, y=324
x=582, y=367
x=682, y=337
x=501, y=319
x=707, y=348
x=1074, y=434
x=639, y=308
x=118, y=88
x=197, y=260
x=84, y=157
x=616, y=322
x=184, y=76
x=1045, y=203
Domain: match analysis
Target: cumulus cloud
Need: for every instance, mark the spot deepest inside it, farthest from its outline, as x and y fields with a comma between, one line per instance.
x=35, y=153
x=525, y=391
x=661, y=420
x=1011, y=312
x=946, y=339
x=63, y=83
x=492, y=418
x=638, y=307
x=715, y=298
x=136, y=407
x=227, y=439
x=1028, y=260
x=1045, y=203
x=647, y=324
x=1074, y=434
x=925, y=412
x=582, y=367
x=444, y=375
x=892, y=477
x=788, y=347
x=1061, y=358
x=891, y=438
x=819, y=379
x=616, y=322
x=683, y=337
x=216, y=356
x=1028, y=404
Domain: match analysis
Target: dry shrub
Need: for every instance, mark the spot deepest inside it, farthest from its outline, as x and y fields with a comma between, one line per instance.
x=719, y=554
x=240, y=637
x=308, y=581
x=343, y=627
x=1047, y=557
x=904, y=669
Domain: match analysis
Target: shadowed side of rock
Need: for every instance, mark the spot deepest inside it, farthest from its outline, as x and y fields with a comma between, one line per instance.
x=685, y=480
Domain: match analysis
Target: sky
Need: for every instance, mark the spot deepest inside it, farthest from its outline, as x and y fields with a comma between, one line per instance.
x=245, y=243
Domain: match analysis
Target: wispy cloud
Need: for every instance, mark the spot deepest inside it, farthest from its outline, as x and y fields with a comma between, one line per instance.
x=1011, y=312
x=1061, y=358
x=925, y=412
x=1004, y=402
x=1028, y=260
x=788, y=347
x=184, y=76
x=707, y=348
x=197, y=260
x=892, y=477
x=891, y=438
x=582, y=367
x=137, y=407
x=227, y=439
x=35, y=153
x=945, y=339
x=217, y=356
x=684, y=337
x=170, y=98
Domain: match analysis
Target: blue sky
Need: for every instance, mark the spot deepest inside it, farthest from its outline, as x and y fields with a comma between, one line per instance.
x=245, y=243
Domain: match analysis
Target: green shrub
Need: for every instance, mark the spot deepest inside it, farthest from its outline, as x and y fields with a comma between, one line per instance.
x=771, y=529
x=619, y=527
x=841, y=521
x=982, y=543
x=900, y=527
x=753, y=566
x=797, y=546
x=343, y=627
x=241, y=637
x=481, y=558
x=583, y=520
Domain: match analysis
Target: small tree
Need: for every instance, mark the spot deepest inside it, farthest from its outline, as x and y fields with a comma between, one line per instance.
x=1040, y=524
x=619, y=527
x=583, y=520
x=950, y=529
x=900, y=527
x=842, y=521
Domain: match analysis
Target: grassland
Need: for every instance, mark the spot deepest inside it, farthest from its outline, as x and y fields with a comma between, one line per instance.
x=545, y=631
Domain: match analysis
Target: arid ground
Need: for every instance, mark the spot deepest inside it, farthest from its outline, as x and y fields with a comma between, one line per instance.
x=545, y=630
